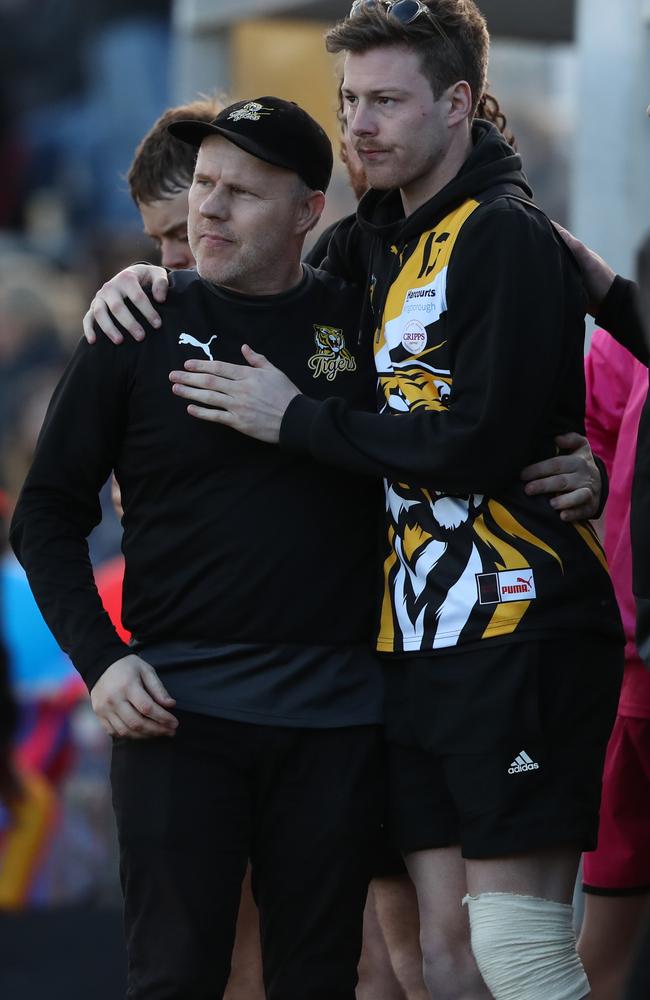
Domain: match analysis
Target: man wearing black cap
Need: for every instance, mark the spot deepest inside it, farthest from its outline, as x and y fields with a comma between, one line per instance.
x=245, y=714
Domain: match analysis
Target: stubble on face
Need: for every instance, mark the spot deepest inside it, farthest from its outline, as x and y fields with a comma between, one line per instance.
x=398, y=128
x=354, y=167
x=241, y=219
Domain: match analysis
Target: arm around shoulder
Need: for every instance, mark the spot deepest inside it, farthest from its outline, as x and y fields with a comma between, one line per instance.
x=620, y=315
x=109, y=313
x=506, y=334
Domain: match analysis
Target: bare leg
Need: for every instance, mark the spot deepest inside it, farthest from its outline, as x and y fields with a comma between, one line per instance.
x=549, y=873
x=376, y=977
x=245, y=982
x=450, y=972
x=607, y=940
x=397, y=910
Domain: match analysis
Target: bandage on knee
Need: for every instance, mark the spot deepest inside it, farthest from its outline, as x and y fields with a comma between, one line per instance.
x=525, y=947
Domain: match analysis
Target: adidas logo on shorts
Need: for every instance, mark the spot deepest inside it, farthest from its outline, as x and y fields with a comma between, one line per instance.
x=522, y=762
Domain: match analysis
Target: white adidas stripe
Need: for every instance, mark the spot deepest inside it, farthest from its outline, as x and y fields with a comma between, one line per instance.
x=522, y=759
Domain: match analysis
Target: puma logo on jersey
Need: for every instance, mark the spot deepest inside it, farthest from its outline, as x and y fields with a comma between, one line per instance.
x=186, y=338
x=508, y=585
x=519, y=585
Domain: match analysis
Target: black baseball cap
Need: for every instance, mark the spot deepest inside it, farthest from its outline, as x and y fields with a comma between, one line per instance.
x=273, y=130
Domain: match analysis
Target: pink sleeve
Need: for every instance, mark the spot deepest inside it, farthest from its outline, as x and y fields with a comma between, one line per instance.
x=609, y=371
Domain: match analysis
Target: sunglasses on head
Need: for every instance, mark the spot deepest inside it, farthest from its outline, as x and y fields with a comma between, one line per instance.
x=404, y=11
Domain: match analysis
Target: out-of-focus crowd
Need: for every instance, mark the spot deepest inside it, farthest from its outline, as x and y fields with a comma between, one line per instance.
x=68, y=128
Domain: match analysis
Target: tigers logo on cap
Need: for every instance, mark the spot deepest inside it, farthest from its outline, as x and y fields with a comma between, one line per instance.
x=290, y=138
x=252, y=111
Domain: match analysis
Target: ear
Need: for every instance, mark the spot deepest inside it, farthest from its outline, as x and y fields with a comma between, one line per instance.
x=309, y=212
x=460, y=103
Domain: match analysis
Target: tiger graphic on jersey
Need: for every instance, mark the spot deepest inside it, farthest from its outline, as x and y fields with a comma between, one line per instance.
x=459, y=568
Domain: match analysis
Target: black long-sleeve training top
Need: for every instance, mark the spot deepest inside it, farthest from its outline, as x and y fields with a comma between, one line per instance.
x=230, y=544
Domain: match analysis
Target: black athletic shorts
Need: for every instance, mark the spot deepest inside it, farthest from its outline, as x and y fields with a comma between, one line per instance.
x=500, y=749
x=387, y=860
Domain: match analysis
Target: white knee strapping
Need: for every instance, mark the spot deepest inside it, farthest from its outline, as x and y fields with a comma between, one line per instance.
x=525, y=947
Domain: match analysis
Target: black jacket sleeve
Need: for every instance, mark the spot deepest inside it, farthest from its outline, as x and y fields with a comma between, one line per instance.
x=506, y=326
x=620, y=315
x=318, y=253
x=348, y=252
x=59, y=504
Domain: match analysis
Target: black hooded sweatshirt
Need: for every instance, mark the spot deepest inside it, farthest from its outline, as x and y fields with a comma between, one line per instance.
x=477, y=317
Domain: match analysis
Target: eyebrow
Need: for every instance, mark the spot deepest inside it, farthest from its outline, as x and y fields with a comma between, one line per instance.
x=377, y=91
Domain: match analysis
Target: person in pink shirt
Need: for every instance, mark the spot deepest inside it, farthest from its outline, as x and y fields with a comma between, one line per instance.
x=616, y=876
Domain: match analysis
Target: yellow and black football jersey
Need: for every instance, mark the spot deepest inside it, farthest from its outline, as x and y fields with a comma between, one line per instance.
x=478, y=327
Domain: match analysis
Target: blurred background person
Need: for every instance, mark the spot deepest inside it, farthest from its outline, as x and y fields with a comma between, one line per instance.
x=47, y=693
x=55, y=838
x=10, y=790
x=616, y=876
x=615, y=937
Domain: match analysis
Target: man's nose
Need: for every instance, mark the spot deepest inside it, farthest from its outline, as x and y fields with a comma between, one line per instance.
x=176, y=255
x=362, y=122
x=215, y=205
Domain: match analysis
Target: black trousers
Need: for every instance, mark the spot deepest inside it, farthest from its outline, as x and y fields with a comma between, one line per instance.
x=303, y=804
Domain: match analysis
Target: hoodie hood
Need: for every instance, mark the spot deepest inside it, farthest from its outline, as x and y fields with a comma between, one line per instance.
x=491, y=162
